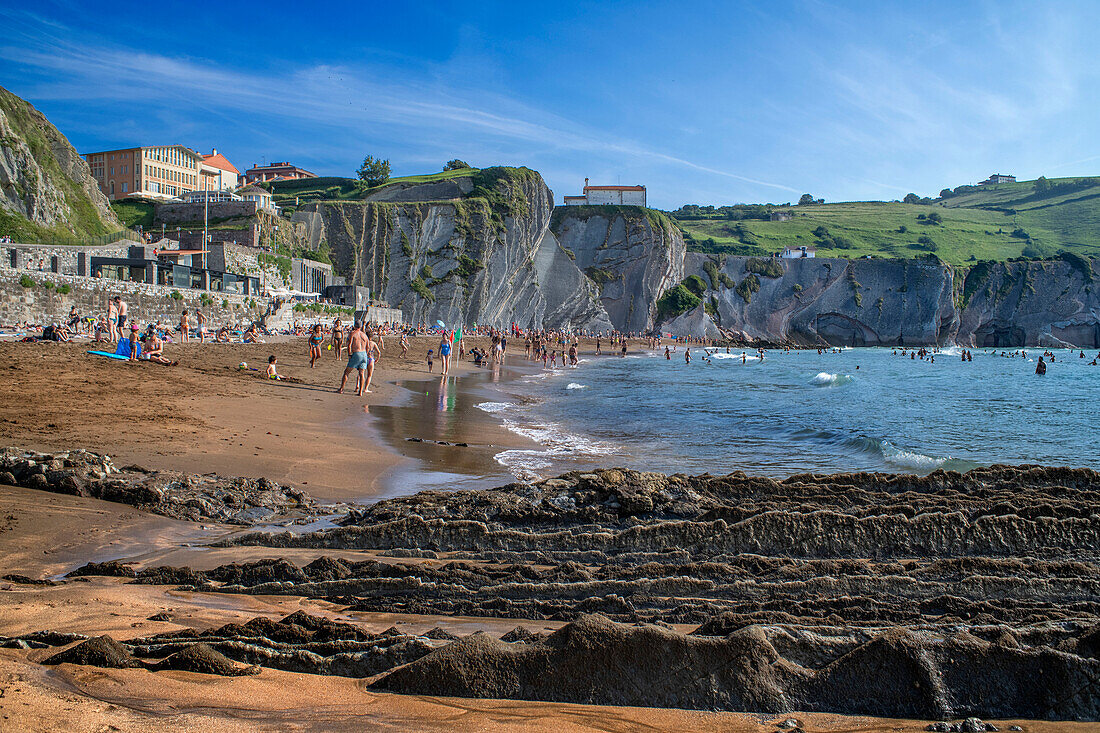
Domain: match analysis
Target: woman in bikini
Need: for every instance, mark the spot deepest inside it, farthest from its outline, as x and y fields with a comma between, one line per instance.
x=337, y=336
x=316, y=338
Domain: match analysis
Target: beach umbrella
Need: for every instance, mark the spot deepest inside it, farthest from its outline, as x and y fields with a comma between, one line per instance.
x=440, y=324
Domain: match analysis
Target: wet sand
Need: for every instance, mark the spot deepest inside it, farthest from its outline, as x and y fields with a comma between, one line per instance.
x=206, y=416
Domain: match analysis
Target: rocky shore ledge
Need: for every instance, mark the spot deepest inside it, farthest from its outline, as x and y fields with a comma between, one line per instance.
x=194, y=497
x=934, y=597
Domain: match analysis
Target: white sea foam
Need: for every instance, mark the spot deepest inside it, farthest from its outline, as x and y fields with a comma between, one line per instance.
x=745, y=356
x=825, y=379
x=574, y=385
x=909, y=459
x=495, y=406
x=557, y=443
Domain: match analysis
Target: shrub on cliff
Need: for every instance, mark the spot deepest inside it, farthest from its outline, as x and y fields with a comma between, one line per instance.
x=695, y=284
x=747, y=287
x=456, y=165
x=768, y=267
x=26, y=281
x=676, y=300
x=373, y=172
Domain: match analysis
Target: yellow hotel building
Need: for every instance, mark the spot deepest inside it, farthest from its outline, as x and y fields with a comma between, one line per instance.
x=152, y=172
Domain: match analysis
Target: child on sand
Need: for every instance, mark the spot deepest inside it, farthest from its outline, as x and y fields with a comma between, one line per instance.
x=316, y=338
x=431, y=364
x=272, y=372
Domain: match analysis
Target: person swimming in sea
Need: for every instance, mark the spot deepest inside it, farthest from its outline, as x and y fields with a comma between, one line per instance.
x=1041, y=367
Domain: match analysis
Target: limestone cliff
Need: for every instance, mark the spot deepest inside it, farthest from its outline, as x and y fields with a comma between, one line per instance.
x=894, y=302
x=46, y=188
x=631, y=253
x=819, y=301
x=483, y=255
x=1044, y=303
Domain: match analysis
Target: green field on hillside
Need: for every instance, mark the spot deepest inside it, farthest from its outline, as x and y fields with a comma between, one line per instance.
x=979, y=223
x=345, y=189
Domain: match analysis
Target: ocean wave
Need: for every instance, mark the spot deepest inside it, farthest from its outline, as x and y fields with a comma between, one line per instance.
x=574, y=385
x=909, y=459
x=825, y=379
x=745, y=356
x=495, y=406
x=557, y=443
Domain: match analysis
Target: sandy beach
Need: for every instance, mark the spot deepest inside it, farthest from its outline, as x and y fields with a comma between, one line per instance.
x=205, y=416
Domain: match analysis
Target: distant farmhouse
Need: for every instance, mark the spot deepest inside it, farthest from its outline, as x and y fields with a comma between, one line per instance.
x=779, y=216
x=798, y=253
x=597, y=195
x=998, y=178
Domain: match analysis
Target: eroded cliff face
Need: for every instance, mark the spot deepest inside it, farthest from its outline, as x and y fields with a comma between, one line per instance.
x=486, y=258
x=1050, y=303
x=632, y=254
x=43, y=179
x=827, y=301
x=895, y=302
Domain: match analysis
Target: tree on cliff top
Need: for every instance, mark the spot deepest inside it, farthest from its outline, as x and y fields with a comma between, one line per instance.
x=374, y=172
x=806, y=200
x=456, y=165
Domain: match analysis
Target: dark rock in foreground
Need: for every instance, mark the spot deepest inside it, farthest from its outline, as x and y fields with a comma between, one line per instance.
x=178, y=495
x=102, y=651
x=897, y=674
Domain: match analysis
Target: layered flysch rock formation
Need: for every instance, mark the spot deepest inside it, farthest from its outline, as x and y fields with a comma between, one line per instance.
x=633, y=255
x=484, y=255
x=43, y=180
x=895, y=302
x=978, y=592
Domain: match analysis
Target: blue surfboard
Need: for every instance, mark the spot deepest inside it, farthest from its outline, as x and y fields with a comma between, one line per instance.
x=109, y=355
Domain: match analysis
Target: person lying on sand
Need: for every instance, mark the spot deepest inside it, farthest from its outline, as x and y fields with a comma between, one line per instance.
x=223, y=335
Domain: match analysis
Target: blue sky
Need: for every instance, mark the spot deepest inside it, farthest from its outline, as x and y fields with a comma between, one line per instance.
x=703, y=102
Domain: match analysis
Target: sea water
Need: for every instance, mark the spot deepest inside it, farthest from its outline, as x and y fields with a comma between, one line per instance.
x=856, y=410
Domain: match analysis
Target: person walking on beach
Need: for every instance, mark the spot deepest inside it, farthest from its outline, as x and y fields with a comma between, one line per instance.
x=374, y=350
x=404, y=344
x=316, y=338
x=185, y=326
x=358, y=355
x=200, y=324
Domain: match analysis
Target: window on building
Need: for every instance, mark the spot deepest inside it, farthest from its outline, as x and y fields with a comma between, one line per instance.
x=112, y=168
x=124, y=187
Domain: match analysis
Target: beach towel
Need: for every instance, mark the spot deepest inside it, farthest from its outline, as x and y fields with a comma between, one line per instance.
x=123, y=349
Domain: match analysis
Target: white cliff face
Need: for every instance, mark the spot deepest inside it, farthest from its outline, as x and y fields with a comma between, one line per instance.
x=631, y=254
x=487, y=259
x=42, y=177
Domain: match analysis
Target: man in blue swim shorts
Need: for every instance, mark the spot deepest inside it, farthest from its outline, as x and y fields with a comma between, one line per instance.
x=359, y=347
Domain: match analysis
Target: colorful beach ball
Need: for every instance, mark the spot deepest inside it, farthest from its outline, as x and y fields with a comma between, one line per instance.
x=243, y=365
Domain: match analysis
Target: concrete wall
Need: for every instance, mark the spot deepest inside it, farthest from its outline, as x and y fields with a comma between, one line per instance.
x=172, y=212
x=192, y=238
x=375, y=314
x=147, y=303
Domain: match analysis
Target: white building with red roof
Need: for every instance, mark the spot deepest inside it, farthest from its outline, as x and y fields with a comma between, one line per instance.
x=218, y=174
x=599, y=195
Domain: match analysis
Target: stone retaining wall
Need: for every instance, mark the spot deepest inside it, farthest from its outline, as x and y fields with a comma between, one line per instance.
x=43, y=304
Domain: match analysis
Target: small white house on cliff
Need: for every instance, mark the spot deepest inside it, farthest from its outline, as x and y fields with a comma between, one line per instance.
x=598, y=195
x=798, y=253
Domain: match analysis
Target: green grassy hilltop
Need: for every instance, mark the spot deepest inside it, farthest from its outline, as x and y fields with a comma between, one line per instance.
x=999, y=222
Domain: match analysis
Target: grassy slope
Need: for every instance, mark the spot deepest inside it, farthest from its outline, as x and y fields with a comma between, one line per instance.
x=84, y=219
x=345, y=189
x=976, y=224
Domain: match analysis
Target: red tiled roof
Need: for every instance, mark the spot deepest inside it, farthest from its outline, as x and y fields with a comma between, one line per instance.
x=219, y=161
